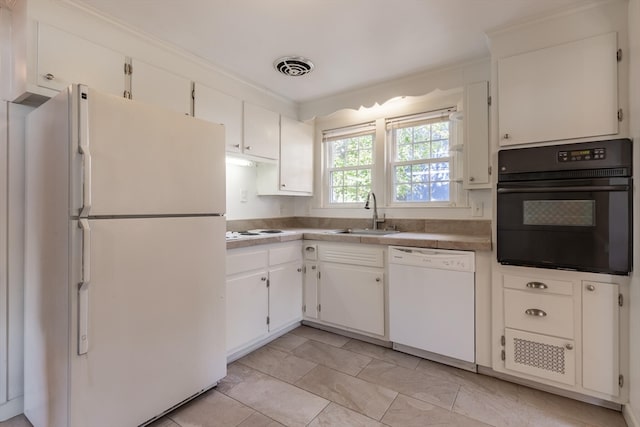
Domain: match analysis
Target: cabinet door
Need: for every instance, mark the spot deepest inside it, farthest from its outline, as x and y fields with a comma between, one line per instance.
x=217, y=107
x=296, y=156
x=352, y=296
x=285, y=295
x=310, y=291
x=476, y=135
x=64, y=59
x=600, y=344
x=261, y=132
x=247, y=309
x=562, y=92
x=154, y=85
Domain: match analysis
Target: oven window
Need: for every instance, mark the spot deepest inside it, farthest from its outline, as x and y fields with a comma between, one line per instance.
x=581, y=213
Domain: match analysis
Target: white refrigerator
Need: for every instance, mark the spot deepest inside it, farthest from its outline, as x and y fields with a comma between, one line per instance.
x=124, y=260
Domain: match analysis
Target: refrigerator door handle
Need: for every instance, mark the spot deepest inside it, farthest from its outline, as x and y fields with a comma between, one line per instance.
x=83, y=288
x=83, y=148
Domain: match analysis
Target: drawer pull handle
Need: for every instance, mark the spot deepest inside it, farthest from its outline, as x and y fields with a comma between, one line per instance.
x=568, y=346
x=535, y=312
x=536, y=285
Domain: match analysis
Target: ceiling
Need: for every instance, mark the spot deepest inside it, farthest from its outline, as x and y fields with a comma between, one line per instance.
x=353, y=43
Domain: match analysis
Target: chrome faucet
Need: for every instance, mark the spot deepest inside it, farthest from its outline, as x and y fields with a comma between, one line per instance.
x=375, y=220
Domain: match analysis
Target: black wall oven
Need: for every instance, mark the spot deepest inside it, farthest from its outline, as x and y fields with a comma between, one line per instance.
x=566, y=206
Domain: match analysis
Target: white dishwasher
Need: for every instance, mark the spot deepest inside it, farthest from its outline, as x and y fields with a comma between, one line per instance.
x=432, y=304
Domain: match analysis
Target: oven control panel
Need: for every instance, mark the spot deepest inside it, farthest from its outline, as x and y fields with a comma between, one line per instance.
x=581, y=155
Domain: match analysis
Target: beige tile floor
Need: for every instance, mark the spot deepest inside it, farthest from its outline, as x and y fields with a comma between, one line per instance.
x=315, y=378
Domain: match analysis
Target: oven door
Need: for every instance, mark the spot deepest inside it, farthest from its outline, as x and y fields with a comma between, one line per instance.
x=578, y=224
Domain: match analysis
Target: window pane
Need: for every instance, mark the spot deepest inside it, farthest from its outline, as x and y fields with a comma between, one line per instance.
x=337, y=178
x=352, y=158
x=403, y=153
x=366, y=157
x=402, y=174
x=365, y=142
x=440, y=130
x=420, y=173
x=404, y=136
x=364, y=176
x=403, y=192
x=350, y=194
x=440, y=171
x=440, y=191
x=351, y=178
x=421, y=151
x=337, y=195
x=420, y=193
x=440, y=148
x=362, y=193
x=421, y=133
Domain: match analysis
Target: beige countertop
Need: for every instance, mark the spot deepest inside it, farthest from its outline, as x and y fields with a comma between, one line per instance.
x=415, y=239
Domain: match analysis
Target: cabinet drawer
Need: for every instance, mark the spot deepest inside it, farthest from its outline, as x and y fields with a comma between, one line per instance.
x=542, y=356
x=545, y=314
x=284, y=253
x=538, y=285
x=239, y=262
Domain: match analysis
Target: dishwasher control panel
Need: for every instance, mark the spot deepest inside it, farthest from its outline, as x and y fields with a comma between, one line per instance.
x=432, y=258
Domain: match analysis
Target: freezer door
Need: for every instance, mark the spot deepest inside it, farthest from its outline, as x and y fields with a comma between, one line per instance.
x=139, y=159
x=155, y=317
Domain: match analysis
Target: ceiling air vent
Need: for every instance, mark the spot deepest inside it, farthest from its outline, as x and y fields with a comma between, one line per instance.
x=293, y=66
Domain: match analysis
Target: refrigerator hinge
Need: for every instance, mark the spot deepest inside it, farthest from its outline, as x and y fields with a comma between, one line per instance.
x=621, y=381
x=503, y=341
x=619, y=55
x=620, y=115
x=503, y=355
x=128, y=69
x=268, y=320
x=489, y=100
x=620, y=300
x=126, y=94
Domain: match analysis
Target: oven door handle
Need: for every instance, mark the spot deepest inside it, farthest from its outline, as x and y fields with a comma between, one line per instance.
x=582, y=188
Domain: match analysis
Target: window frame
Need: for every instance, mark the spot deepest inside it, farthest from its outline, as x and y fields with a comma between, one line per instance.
x=410, y=121
x=331, y=135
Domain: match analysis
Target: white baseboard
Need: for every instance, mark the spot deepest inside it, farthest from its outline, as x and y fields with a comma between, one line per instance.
x=629, y=416
x=11, y=408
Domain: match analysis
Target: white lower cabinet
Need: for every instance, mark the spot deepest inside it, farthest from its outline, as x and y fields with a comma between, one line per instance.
x=264, y=293
x=345, y=287
x=563, y=329
x=352, y=296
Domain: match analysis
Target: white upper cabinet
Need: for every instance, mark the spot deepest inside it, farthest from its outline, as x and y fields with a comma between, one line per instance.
x=261, y=132
x=476, y=135
x=154, y=85
x=561, y=92
x=64, y=59
x=296, y=156
x=217, y=107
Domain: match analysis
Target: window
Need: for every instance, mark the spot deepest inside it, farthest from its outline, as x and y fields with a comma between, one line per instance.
x=349, y=163
x=421, y=162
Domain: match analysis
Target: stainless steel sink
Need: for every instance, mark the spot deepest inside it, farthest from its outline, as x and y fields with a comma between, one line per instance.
x=366, y=232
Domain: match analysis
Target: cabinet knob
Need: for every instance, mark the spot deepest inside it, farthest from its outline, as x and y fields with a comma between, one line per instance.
x=568, y=346
x=471, y=179
x=49, y=76
x=236, y=145
x=283, y=185
x=248, y=147
x=299, y=270
x=313, y=267
x=590, y=288
x=507, y=136
x=536, y=285
x=264, y=279
x=377, y=279
x=535, y=312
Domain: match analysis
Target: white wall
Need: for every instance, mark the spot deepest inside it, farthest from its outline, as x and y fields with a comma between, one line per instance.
x=243, y=201
x=632, y=411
